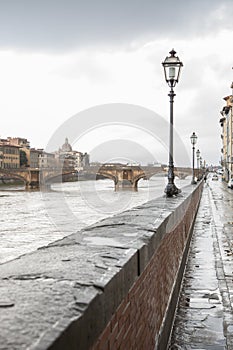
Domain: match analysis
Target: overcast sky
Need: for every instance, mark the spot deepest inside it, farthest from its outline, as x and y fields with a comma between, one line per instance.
x=60, y=57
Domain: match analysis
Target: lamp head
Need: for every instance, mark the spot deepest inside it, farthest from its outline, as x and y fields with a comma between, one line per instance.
x=193, y=138
x=172, y=67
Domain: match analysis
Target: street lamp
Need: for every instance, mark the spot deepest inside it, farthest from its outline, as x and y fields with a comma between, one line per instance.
x=193, y=139
x=198, y=163
x=201, y=166
x=172, y=67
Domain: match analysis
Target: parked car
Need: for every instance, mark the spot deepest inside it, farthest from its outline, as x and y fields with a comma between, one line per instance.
x=215, y=177
x=230, y=183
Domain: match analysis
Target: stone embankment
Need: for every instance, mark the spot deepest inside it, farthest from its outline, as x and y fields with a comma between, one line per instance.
x=113, y=285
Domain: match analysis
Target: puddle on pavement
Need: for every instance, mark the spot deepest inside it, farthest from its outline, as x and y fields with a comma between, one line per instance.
x=200, y=303
x=103, y=241
x=230, y=328
x=220, y=346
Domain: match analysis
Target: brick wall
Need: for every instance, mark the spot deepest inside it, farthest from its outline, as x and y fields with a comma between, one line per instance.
x=144, y=317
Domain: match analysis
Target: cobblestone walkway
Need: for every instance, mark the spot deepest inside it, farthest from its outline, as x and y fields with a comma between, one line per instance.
x=204, y=317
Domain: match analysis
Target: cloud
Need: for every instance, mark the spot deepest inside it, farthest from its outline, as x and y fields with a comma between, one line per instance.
x=84, y=65
x=71, y=24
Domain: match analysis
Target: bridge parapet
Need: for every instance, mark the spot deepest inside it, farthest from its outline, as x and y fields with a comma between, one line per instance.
x=112, y=285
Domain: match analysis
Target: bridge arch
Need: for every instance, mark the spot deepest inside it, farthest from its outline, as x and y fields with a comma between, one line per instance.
x=13, y=175
x=108, y=175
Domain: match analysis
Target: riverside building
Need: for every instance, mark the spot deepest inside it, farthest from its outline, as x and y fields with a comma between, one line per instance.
x=9, y=155
x=226, y=123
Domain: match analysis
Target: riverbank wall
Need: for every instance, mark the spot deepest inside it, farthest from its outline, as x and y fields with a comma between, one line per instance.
x=113, y=285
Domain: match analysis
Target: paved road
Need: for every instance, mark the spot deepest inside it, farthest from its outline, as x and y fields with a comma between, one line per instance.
x=204, y=317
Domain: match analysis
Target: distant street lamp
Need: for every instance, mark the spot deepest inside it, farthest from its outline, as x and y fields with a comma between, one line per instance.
x=198, y=163
x=172, y=67
x=201, y=166
x=204, y=164
x=193, y=139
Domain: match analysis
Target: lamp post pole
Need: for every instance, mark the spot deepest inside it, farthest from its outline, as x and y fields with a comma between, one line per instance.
x=171, y=188
x=193, y=142
x=198, y=163
x=172, y=66
x=201, y=167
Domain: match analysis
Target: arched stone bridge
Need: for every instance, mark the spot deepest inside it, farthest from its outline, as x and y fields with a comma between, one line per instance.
x=124, y=176
x=127, y=176
x=37, y=177
x=29, y=176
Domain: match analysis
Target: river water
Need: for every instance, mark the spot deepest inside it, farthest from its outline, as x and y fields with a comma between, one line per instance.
x=33, y=219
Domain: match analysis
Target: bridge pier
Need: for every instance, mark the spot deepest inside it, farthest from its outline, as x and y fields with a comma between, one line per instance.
x=33, y=185
x=121, y=185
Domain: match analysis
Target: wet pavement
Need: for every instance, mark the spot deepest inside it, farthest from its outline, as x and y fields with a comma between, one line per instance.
x=204, y=318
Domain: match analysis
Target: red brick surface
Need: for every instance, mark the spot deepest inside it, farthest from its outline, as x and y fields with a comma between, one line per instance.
x=138, y=319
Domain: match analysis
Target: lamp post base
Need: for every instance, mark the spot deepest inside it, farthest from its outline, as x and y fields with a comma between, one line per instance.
x=171, y=190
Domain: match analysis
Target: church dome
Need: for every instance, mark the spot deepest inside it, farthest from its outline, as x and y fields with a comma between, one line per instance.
x=66, y=147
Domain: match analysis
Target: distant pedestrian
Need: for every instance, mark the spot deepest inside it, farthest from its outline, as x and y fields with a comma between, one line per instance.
x=205, y=177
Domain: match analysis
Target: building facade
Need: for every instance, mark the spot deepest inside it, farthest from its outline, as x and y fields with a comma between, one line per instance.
x=18, y=141
x=226, y=123
x=1, y=158
x=47, y=160
x=35, y=155
x=9, y=155
x=24, y=149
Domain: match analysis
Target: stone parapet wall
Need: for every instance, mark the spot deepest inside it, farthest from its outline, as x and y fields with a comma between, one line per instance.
x=143, y=319
x=113, y=285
